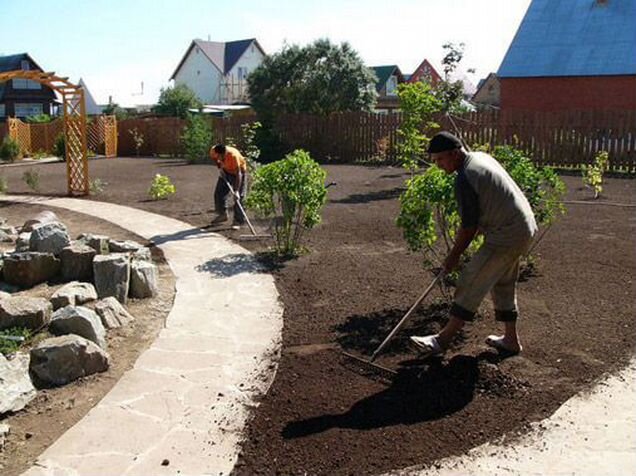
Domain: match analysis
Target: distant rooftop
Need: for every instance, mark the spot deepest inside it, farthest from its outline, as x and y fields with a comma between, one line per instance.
x=574, y=38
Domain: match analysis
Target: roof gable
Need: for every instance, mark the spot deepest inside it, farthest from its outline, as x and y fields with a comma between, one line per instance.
x=14, y=63
x=384, y=73
x=574, y=38
x=425, y=69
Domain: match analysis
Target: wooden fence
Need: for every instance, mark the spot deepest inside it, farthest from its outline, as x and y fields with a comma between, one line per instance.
x=568, y=139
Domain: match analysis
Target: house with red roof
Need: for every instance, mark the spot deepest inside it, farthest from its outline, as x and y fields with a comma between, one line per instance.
x=217, y=71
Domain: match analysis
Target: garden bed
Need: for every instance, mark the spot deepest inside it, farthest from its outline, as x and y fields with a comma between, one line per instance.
x=357, y=281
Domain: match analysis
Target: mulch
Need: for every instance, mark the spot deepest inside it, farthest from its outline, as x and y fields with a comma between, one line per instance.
x=358, y=279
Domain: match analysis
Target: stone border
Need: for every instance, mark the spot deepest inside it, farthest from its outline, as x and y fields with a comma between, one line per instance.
x=184, y=405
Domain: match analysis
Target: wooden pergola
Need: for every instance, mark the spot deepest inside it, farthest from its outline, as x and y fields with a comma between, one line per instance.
x=74, y=117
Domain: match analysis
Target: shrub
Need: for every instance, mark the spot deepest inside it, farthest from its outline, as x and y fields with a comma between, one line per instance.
x=428, y=210
x=96, y=186
x=32, y=179
x=293, y=191
x=161, y=187
x=196, y=139
x=14, y=337
x=138, y=139
x=4, y=185
x=59, y=148
x=247, y=145
x=593, y=174
x=39, y=119
x=9, y=149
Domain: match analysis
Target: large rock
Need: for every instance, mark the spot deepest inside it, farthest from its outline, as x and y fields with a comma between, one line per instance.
x=100, y=243
x=142, y=254
x=4, y=295
x=4, y=432
x=22, y=311
x=5, y=237
x=127, y=246
x=112, y=313
x=16, y=389
x=143, y=280
x=26, y=269
x=73, y=293
x=41, y=218
x=112, y=276
x=60, y=360
x=77, y=262
x=80, y=321
x=22, y=243
x=49, y=238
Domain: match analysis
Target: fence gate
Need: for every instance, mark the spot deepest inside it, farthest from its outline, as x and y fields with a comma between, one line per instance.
x=74, y=119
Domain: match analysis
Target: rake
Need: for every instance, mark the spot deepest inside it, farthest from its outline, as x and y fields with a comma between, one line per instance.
x=368, y=364
x=254, y=235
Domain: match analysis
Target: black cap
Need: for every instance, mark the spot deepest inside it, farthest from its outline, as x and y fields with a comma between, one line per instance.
x=442, y=142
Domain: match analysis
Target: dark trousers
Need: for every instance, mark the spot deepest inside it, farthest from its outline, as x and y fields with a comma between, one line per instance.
x=222, y=192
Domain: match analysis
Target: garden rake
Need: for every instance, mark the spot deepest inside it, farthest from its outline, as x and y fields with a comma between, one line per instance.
x=237, y=199
x=369, y=364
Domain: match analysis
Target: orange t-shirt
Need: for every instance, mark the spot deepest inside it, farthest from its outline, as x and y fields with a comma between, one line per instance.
x=231, y=162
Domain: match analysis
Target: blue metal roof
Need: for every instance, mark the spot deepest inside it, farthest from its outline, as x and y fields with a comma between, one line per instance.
x=573, y=38
x=233, y=52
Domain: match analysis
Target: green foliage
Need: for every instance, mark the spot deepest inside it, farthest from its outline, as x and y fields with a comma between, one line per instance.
x=96, y=186
x=593, y=174
x=40, y=119
x=138, y=139
x=320, y=78
x=9, y=150
x=293, y=191
x=4, y=185
x=428, y=209
x=59, y=148
x=418, y=105
x=248, y=146
x=176, y=101
x=196, y=138
x=161, y=187
x=32, y=179
x=113, y=109
x=16, y=337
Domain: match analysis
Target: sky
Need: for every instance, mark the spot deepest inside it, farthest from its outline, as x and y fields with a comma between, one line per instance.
x=115, y=45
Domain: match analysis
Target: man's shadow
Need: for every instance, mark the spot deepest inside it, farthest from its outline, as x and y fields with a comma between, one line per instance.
x=416, y=394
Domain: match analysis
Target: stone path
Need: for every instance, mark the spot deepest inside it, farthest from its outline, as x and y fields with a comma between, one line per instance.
x=181, y=408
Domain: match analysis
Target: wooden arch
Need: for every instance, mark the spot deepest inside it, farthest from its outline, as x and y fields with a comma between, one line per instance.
x=74, y=125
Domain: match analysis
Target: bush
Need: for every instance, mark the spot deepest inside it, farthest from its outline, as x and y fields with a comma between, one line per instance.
x=96, y=186
x=196, y=139
x=59, y=148
x=9, y=150
x=293, y=191
x=32, y=179
x=161, y=187
x=593, y=174
x=39, y=119
x=138, y=139
x=16, y=336
x=428, y=209
x=247, y=145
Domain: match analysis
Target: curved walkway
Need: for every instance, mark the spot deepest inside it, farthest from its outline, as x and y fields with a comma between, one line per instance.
x=181, y=409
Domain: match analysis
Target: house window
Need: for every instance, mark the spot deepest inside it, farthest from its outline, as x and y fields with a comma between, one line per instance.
x=242, y=73
x=391, y=86
x=25, y=84
x=2, y=110
x=27, y=109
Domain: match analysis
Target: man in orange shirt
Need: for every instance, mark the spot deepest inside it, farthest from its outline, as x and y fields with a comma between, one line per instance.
x=233, y=170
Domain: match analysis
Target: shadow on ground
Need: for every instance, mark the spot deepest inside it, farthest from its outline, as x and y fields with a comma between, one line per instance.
x=372, y=196
x=231, y=265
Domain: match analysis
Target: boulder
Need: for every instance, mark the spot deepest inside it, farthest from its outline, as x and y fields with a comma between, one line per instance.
x=73, y=293
x=41, y=218
x=112, y=276
x=9, y=230
x=77, y=262
x=22, y=243
x=26, y=269
x=4, y=295
x=112, y=313
x=23, y=311
x=16, y=389
x=98, y=242
x=49, y=238
x=5, y=237
x=60, y=360
x=4, y=432
x=80, y=321
x=142, y=254
x=127, y=246
x=143, y=279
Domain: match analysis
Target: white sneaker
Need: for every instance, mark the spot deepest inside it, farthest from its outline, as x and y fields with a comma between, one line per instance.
x=427, y=345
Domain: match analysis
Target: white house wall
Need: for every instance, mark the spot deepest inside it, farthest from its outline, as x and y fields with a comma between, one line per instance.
x=251, y=59
x=199, y=74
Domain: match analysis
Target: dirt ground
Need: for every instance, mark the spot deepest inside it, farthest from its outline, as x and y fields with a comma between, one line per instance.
x=53, y=411
x=358, y=280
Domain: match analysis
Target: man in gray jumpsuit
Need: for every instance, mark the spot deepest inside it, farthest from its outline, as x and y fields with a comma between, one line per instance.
x=491, y=203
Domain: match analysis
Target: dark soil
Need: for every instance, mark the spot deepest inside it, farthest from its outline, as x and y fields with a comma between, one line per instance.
x=356, y=282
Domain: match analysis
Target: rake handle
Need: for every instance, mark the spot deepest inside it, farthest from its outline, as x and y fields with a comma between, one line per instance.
x=407, y=315
x=238, y=201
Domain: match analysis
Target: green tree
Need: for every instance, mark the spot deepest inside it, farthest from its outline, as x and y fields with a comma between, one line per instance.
x=293, y=191
x=113, y=109
x=196, y=138
x=176, y=101
x=319, y=78
x=450, y=93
